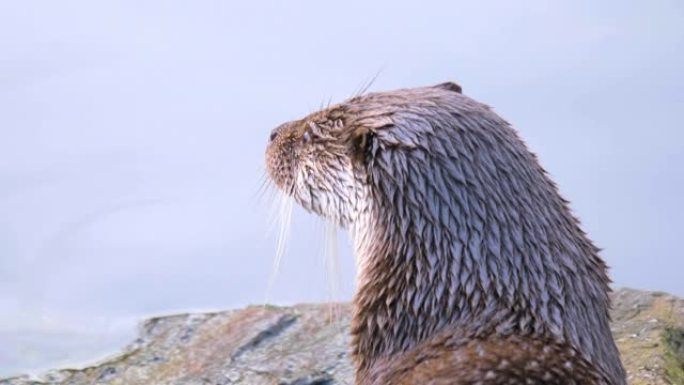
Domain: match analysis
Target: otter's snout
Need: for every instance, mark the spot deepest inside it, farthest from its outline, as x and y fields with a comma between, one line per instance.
x=280, y=157
x=274, y=134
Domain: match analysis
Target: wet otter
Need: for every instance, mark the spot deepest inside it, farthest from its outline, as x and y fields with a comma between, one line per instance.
x=472, y=269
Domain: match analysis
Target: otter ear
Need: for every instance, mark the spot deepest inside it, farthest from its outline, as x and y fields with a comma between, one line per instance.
x=361, y=140
x=449, y=86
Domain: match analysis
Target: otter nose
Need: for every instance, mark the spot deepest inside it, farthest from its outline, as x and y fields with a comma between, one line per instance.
x=276, y=131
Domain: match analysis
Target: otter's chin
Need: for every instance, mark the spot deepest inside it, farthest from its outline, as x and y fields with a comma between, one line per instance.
x=280, y=168
x=341, y=220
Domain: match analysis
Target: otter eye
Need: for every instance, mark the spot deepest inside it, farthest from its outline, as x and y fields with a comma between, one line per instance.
x=306, y=137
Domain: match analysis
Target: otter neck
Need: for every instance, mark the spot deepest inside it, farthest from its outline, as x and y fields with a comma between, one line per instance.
x=428, y=263
x=409, y=292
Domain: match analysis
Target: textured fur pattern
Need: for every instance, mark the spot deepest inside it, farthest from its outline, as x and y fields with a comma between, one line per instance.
x=512, y=360
x=457, y=227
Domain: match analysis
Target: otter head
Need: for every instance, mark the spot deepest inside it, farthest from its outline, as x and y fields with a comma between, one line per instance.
x=316, y=160
x=323, y=160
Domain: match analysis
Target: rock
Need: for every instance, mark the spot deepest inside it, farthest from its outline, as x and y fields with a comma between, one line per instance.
x=649, y=331
x=308, y=345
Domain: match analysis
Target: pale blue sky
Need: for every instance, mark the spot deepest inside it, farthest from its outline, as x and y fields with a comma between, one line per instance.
x=132, y=137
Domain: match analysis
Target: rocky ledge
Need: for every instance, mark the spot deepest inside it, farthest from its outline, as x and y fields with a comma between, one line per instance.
x=308, y=345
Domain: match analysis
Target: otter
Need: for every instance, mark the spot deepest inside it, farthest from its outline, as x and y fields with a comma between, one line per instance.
x=471, y=267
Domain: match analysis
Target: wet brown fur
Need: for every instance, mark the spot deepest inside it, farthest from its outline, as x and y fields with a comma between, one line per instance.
x=472, y=270
x=512, y=360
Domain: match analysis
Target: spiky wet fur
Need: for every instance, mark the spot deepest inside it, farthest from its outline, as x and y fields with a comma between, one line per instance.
x=456, y=226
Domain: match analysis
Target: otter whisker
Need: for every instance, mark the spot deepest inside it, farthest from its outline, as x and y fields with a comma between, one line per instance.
x=274, y=211
x=332, y=268
x=264, y=188
x=366, y=85
x=284, y=221
x=274, y=198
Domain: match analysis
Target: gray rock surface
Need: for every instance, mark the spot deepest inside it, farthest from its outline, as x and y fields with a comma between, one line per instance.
x=308, y=345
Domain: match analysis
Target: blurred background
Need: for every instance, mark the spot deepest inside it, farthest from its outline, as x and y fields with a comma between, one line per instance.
x=132, y=138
